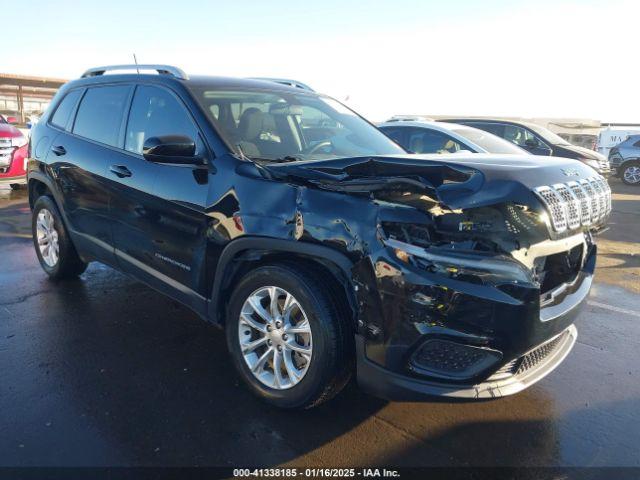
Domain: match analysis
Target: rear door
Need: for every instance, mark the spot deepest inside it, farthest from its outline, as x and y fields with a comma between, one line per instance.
x=79, y=158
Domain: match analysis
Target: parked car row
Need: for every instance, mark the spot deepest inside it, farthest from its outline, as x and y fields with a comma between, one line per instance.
x=487, y=135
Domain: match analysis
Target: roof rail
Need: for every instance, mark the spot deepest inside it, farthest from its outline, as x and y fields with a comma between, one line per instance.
x=286, y=81
x=161, y=69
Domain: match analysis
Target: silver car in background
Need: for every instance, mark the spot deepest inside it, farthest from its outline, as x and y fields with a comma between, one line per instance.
x=425, y=136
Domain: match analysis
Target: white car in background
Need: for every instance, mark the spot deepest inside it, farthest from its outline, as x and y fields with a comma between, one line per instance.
x=612, y=137
x=425, y=136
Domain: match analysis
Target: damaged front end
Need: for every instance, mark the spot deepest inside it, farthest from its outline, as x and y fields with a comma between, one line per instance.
x=468, y=274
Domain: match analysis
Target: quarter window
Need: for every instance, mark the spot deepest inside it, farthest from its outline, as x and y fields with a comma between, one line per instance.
x=63, y=112
x=100, y=114
x=156, y=112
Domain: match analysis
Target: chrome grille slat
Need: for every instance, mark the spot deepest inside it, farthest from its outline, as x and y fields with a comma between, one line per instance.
x=573, y=204
x=602, y=202
x=585, y=203
x=556, y=207
x=595, y=205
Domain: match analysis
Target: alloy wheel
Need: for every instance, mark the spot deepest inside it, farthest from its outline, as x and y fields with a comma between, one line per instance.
x=47, y=238
x=275, y=337
x=632, y=174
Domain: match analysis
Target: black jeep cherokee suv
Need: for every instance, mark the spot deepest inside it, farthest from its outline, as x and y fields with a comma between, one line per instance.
x=320, y=245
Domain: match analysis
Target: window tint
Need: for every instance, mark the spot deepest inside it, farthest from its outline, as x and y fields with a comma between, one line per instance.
x=422, y=140
x=63, y=112
x=156, y=112
x=100, y=114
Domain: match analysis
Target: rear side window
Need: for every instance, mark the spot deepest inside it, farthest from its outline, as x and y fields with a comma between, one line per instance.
x=100, y=114
x=156, y=112
x=65, y=108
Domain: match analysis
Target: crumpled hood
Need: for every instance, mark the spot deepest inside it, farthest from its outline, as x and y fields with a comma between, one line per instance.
x=457, y=181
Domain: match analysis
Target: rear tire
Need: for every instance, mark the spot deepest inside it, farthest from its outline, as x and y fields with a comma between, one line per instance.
x=630, y=173
x=55, y=251
x=329, y=343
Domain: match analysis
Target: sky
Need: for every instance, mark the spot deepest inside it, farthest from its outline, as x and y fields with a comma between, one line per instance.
x=562, y=58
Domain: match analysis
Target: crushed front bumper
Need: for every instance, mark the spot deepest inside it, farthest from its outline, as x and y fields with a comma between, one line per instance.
x=482, y=342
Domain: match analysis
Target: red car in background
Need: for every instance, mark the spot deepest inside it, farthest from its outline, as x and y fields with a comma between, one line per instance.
x=13, y=155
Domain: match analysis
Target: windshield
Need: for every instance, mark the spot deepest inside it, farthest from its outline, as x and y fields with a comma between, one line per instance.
x=488, y=141
x=283, y=126
x=548, y=136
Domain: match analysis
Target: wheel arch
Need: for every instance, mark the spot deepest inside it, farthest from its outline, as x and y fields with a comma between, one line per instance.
x=247, y=253
x=626, y=163
x=39, y=184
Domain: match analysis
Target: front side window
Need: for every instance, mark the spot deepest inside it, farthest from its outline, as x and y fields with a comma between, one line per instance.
x=156, y=112
x=63, y=112
x=100, y=114
x=520, y=136
x=421, y=140
x=289, y=125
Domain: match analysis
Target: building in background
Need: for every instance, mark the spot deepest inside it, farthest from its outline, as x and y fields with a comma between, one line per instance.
x=25, y=97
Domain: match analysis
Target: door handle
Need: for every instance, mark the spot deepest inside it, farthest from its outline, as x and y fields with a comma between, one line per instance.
x=120, y=171
x=59, y=150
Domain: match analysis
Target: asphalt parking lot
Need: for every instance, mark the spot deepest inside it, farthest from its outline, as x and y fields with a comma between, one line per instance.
x=104, y=371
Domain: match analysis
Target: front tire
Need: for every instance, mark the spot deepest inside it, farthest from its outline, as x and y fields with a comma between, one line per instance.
x=57, y=255
x=286, y=337
x=630, y=173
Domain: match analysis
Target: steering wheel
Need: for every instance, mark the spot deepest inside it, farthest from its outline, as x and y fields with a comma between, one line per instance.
x=317, y=147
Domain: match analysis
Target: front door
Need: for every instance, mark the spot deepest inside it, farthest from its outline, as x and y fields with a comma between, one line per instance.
x=159, y=214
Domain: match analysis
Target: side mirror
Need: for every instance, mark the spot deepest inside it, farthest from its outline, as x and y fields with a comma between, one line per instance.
x=12, y=120
x=171, y=149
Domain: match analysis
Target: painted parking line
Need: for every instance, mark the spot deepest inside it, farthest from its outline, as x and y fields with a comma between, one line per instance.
x=613, y=308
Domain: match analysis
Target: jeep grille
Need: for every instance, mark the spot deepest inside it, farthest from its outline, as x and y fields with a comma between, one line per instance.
x=573, y=204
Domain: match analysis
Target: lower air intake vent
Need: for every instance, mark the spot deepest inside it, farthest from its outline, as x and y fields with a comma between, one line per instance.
x=533, y=358
x=446, y=359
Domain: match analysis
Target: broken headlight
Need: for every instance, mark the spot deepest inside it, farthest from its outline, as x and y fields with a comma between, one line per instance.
x=477, y=267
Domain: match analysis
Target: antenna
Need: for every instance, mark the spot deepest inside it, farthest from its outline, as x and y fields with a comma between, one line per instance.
x=135, y=60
